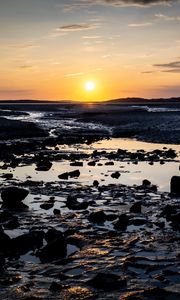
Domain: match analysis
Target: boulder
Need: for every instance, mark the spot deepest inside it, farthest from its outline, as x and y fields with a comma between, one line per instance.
x=115, y=175
x=136, y=208
x=14, y=194
x=97, y=217
x=122, y=222
x=12, y=198
x=73, y=204
x=26, y=242
x=43, y=165
x=175, y=185
x=54, y=250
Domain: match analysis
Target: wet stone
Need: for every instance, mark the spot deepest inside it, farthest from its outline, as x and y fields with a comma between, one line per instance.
x=107, y=281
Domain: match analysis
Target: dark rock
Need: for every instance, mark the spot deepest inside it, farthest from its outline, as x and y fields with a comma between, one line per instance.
x=168, y=211
x=47, y=205
x=146, y=182
x=115, y=175
x=97, y=217
x=13, y=223
x=77, y=164
x=91, y=163
x=26, y=242
x=7, y=176
x=43, y=165
x=53, y=234
x=73, y=204
x=5, y=242
x=95, y=183
x=75, y=173
x=57, y=211
x=138, y=221
x=136, y=208
x=12, y=196
x=109, y=163
x=56, y=286
x=54, y=250
x=122, y=222
x=175, y=185
x=64, y=176
x=108, y=281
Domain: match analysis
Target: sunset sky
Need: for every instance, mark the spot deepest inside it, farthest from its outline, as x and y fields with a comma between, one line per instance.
x=50, y=49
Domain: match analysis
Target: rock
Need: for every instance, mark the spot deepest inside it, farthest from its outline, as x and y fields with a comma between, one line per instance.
x=115, y=175
x=55, y=286
x=43, y=165
x=47, y=205
x=136, y=208
x=175, y=185
x=64, y=176
x=138, y=221
x=122, y=222
x=57, y=211
x=146, y=183
x=7, y=176
x=53, y=251
x=75, y=173
x=91, y=163
x=12, y=196
x=26, y=242
x=97, y=217
x=5, y=242
x=53, y=234
x=95, y=183
x=108, y=281
x=109, y=163
x=71, y=174
x=73, y=204
x=77, y=164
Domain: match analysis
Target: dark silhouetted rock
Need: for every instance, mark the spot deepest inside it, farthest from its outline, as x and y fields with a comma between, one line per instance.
x=47, y=205
x=53, y=234
x=75, y=173
x=136, y=208
x=7, y=176
x=175, y=185
x=54, y=250
x=43, y=165
x=97, y=217
x=57, y=211
x=73, y=204
x=108, y=281
x=76, y=164
x=115, y=175
x=26, y=242
x=5, y=242
x=109, y=163
x=12, y=196
x=55, y=287
x=91, y=163
x=122, y=222
x=138, y=221
x=95, y=183
x=146, y=183
x=64, y=176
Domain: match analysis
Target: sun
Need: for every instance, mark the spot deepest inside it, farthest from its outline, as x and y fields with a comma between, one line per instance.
x=90, y=86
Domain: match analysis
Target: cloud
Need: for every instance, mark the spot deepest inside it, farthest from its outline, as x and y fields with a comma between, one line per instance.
x=140, y=24
x=76, y=27
x=74, y=74
x=172, y=67
x=86, y=4
x=167, y=18
x=16, y=92
x=25, y=45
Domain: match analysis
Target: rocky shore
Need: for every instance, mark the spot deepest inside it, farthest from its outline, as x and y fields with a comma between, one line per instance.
x=67, y=240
